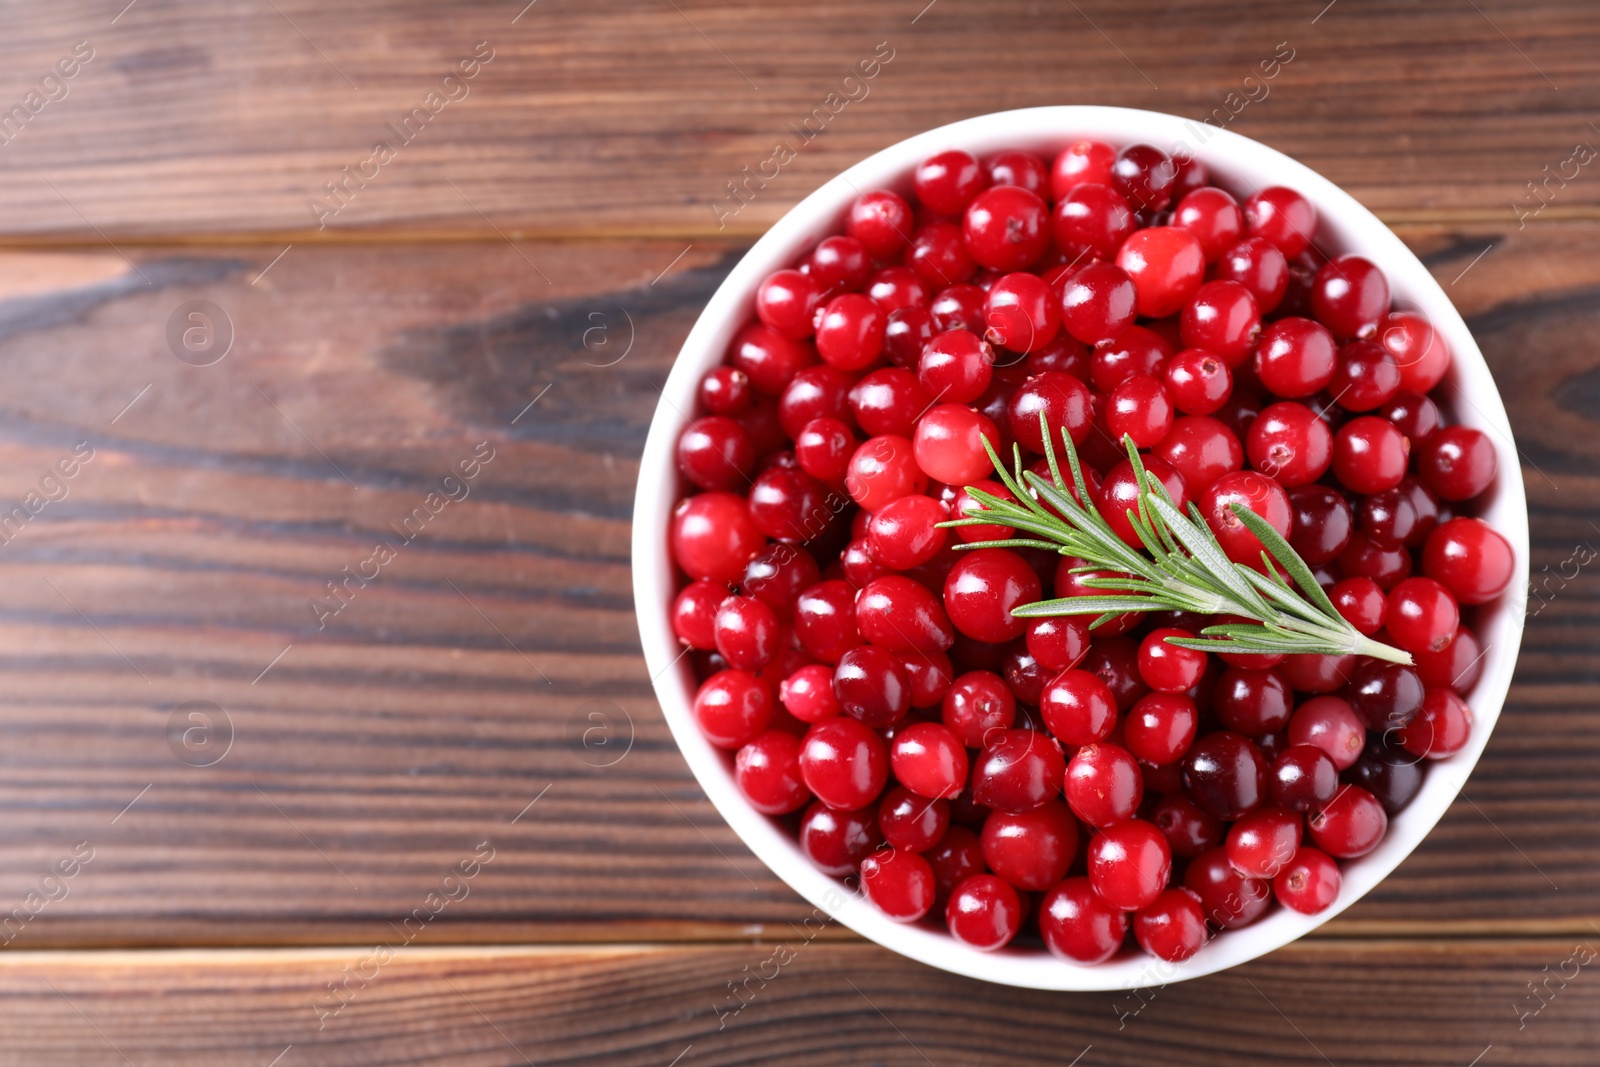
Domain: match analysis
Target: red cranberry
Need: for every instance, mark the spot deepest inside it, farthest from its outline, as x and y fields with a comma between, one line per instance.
x=1032, y=850
x=1006, y=228
x=1283, y=217
x=1303, y=777
x=1136, y=350
x=1021, y=313
x=837, y=841
x=939, y=255
x=1350, y=296
x=1350, y=825
x=726, y=391
x=1018, y=168
x=1422, y=615
x=1025, y=675
x=1167, y=267
x=946, y=182
x=1260, y=267
x=1161, y=727
x=984, y=912
x=955, y=367
x=1213, y=216
x=825, y=620
x=912, y=822
x=1457, y=462
x=1365, y=558
x=900, y=883
x=1370, y=455
x=1201, y=449
x=950, y=444
x=1092, y=221
x=1115, y=661
x=823, y=449
x=883, y=469
x=1018, y=771
x=1103, y=784
x=746, y=633
x=901, y=614
x=1456, y=666
x=882, y=222
x=1290, y=443
x=732, y=707
x=1330, y=724
x=1225, y=775
x=872, y=686
x=767, y=771
x=930, y=760
x=787, y=301
x=1222, y=317
x=1098, y=302
x=1263, y=842
x=1413, y=414
x=1064, y=402
x=895, y=288
x=957, y=857
x=1119, y=494
x=1129, y=864
x=1058, y=642
x=713, y=536
x=978, y=702
x=1365, y=378
x=982, y=590
x=1252, y=702
x=1077, y=925
x=1469, y=558
x=1421, y=353
x=1296, y=357
x=1197, y=381
x=844, y=763
x=1145, y=175
x=850, y=330
x=1139, y=408
x=905, y=533
x=1080, y=162
x=905, y=333
x=1361, y=602
x=1189, y=831
x=807, y=694
x=1309, y=883
x=1173, y=926
x=1078, y=708
x=1309, y=673
x=694, y=613
x=1442, y=726
x=1170, y=668
x=1230, y=899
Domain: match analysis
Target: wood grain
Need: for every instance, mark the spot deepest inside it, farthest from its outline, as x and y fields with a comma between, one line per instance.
x=229, y=118
x=371, y=754
x=825, y=1004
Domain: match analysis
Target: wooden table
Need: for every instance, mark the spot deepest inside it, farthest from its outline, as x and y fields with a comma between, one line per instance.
x=261, y=802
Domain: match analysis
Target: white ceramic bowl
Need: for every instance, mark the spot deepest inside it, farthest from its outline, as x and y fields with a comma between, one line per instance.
x=1242, y=166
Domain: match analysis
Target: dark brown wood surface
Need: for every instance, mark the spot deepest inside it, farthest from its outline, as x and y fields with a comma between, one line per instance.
x=342, y=768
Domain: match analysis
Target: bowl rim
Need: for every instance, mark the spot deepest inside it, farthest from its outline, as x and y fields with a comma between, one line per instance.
x=1242, y=165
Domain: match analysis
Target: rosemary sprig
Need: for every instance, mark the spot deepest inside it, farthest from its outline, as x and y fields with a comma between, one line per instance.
x=1182, y=568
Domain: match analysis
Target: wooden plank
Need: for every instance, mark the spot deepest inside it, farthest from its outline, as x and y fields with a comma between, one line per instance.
x=229, y=118
x=370, y=755
x=823, y=1004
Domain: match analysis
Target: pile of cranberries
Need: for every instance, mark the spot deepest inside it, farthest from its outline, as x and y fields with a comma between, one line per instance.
x=1034, y=777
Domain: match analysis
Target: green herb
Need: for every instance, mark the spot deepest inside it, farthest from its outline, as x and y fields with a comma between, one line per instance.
x=1183, y=568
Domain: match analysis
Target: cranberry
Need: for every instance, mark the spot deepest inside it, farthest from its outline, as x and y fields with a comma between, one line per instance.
x=1413, y=414
x=1167, y=667
x=1189, y=830
x=732, y=707
x=1252, y=702
x=1309, y=673
x=694, y=613
x=767, y=771
x=967, y=506
x=1350, y=825
x=882, y=222
x=1309, y=882
x=840, y=264
x=726, y=391
x=1018, y=168
x=1283, y=217
x=984, y=587
x=1469, y=558
x=1361, y=602
x=905, y=533
x=1330, y=724
x=1418, y=349
x=1006, y=227
x=1173, y=926
x=1290, y=443
x=1370, y=455
x=787, y=302
x=1322, y=523
x=1103, y=784
x=939, y=255
x=1025, y=675
x=1225, y=775
x=1404, y=515
x=837, y=841
x=788, y=504
x=1077, y=925
x=930, y=760
x=895, y=288
x=807, y=694
x=1296, y=357
x=947, y=182
x=1031, y=850
x=901, y=614
x=1350, y=296
x=1021, y=313
x=1017, y=771
x=1161, y=727
x=1119, y=494
x=1167, y=267
x=1259, y=494
x=1384, y=695
x=714, y=536
x=977, y=703
x=956, y=366
x=883, y=469
x=1213, y=216
x=1263, y=842
x=1061, y=398
x=1080, y=162
x=1145, y=175
x=1197, y=381
x=1098, y=303
x=1092, y=221
x=1388, y=772
x=957, y=857
x=1442, y=726
x=1303, y=777
x=984, y=912
x=1115, y=661
x=1201, y=449
x=1136, y=350
x=908, y=329
x=1222, y=317
x=1365, y=558
x=1422, y=615
x=1228, y=897
x=1078, y=708
x=844, y=763
x=1139, y=408
x=1365, y=378
x=1260, y=267
x=871, y=685
x=825, y=620
x=746, y=632
x=1456, y=666
x=912, y=822
x=950, y=444
x=900, y=883
x=823, y=449
x=1457, y=463
x=1058, y=642
x=850, y=330
x=1129, y=864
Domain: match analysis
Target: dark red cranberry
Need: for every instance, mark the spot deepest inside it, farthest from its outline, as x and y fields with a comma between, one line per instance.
x=1303, y=777
x=1252, y=702
x=1225, y=775
x=1283, y=217
x=1350, y=296
x=1457, y=462
x=1230, y=899
x=837, y=840
x=1384, y=695
x=1260, y=267
x=1388, y=772
x=1322, y=523
x=1145, y=175
x=872, y=686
